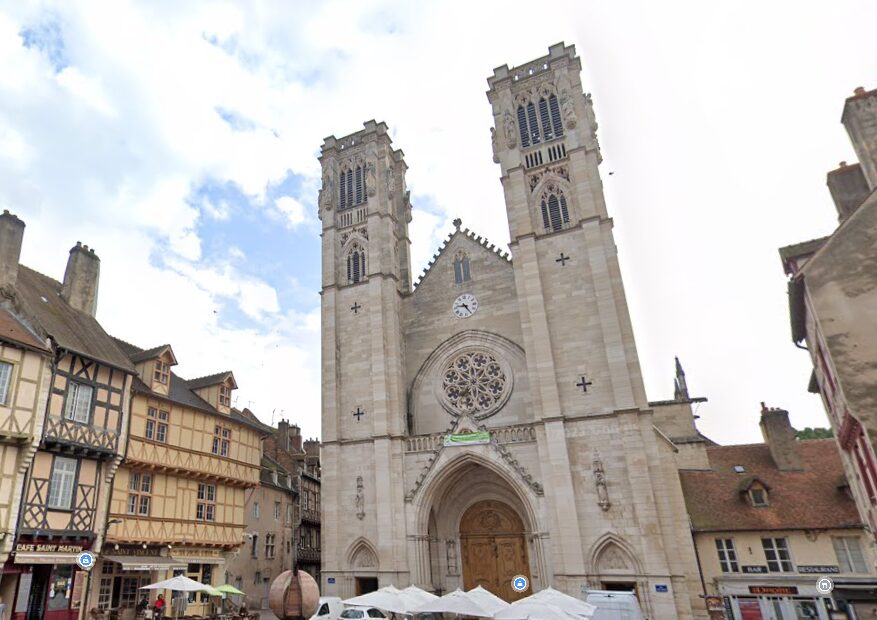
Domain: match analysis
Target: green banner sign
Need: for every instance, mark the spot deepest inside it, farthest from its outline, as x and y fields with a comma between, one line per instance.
x=465, y=439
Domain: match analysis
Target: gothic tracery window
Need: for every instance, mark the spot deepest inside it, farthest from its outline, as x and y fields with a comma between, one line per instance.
x=542, y=125
x=355, y=264
x=474, y=382
x=461, y=268
x=555, y=213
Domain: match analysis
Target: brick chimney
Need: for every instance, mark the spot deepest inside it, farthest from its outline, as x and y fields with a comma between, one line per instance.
x=283, y=435
x=11, y=236
x=860, y=119
x=312, y=447
x=848, y=187
x=81, y=279
x=780, y=438
x=295, y=437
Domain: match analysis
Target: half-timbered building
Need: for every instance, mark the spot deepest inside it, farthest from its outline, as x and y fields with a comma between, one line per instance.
x=178, y=499
x=64, y=499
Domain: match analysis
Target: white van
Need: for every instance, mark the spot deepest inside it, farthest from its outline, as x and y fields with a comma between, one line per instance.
x=330, y=608
x=614, y=605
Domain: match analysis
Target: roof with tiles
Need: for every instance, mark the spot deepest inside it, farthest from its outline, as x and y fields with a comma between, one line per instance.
x=14, y=331
x=483, y=241
x=208, y=380
x=813, y=498
x=42, y=306
x=180, y=391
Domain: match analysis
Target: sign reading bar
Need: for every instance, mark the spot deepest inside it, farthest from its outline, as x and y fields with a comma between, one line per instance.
x=773, y=590
x=759, y=570
x=42, y=548
x=818, y=568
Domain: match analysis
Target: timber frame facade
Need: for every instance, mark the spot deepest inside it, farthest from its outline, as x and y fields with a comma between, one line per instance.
x=178, y=499
x=76, y=392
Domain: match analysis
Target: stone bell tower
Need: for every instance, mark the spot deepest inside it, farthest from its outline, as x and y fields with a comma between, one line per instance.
x=365, y=210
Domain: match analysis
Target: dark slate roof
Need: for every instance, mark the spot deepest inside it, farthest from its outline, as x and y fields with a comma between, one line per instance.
x=71, y=329
x=209, y=380
x=13, y=330
x=180, y=391
x=808, y=499
x=149, y=354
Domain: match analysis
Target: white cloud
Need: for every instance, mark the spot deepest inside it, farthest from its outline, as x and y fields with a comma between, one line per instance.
x=292, y=210
x=110, y=149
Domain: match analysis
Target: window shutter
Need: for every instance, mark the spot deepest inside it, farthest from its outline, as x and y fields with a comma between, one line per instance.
x=465, y=269
x=563, y=211
x=458, y=271
x=546, y=222
x=857, y=559
x=555, y=116
x=522, y=127
x=546, y=119
x=358, y=184
x=534, y=124
x=840, y=551
x=350, y=188
x=554, y=213
x=349, y=271
x=5, y=381
x=343, y=189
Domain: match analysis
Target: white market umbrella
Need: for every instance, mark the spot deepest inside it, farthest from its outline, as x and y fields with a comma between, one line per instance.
x=180, y=583
x=418, y=595
x=456, y=602
x=567, y=603
x=487, y=599
x=528, y=609
x=387, y=598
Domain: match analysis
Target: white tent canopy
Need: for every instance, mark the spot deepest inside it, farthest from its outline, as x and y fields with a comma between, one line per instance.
x=487, y=599
x=387, y=598
x=180, y=583
x=527, y=609
x=418, y=595
x=567, y=603
x=456, y=602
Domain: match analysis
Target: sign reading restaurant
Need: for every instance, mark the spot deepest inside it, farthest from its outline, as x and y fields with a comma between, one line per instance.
x=773, y=590
x=819, y=568
x=45, y=548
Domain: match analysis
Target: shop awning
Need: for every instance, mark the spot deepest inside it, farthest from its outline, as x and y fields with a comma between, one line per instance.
x=26, y=557
x=196, y=559
x=139, y=562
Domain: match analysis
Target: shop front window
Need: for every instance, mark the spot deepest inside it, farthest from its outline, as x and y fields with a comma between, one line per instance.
x=60, y=587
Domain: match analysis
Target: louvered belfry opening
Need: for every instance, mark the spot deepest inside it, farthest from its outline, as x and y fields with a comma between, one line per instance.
x=352, y=188
x=355, y=265
x=539, y=126
x=555, y=215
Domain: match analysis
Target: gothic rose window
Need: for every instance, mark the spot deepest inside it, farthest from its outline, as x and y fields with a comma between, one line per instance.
x=475, y=383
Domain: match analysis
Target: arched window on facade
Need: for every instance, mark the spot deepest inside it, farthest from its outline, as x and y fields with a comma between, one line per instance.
x=555, y=215
x=554, y=107
x=540, y=125
x=461, y=268
x=355, y=264
x=352, y=189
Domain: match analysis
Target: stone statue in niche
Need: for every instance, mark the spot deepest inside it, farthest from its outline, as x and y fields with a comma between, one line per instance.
x=452, y=557
x=495, y=144
x=600, y=482
x=511, y=135
x=568, y=109
x=591, y=141
x=360, y=499
x=391, y=182
x=371, y=179
x=328, y=189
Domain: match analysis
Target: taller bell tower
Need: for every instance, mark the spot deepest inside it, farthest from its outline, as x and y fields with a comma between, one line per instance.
x=365, y=210
x=575, y=314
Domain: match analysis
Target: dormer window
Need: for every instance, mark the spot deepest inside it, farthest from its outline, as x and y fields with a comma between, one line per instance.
x=162, y=372
x=224, y=396
x=758, y=497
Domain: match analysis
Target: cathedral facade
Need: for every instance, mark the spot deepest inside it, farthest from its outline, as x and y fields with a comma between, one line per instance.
x=492, y=421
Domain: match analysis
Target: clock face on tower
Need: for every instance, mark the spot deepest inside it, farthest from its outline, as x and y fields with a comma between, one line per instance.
x=465, y=306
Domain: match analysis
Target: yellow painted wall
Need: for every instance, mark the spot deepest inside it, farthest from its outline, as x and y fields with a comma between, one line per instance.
x=804, y=551
x=21, y=419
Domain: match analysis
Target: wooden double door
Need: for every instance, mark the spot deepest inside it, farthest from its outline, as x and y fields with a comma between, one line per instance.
x=494, y=549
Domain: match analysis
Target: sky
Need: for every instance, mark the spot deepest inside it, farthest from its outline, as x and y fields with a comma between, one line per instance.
x=180, y=141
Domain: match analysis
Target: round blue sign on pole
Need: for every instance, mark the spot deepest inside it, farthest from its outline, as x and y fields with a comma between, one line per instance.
x=85, y=560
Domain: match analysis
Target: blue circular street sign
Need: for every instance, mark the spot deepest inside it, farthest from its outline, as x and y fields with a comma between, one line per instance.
x=85, y=560
x=519, y=583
